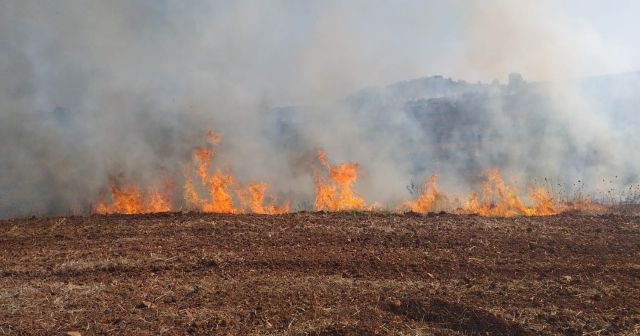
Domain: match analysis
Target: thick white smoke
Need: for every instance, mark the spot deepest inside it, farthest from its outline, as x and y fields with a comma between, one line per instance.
x=91, y=91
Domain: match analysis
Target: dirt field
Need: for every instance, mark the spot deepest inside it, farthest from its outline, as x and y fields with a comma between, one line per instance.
x=320, y=274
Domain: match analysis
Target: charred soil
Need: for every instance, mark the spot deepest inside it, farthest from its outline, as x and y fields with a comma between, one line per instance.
x=320, y=274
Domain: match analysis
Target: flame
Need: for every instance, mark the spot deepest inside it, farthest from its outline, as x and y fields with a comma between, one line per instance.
x=495, y=198
x=217, y=185
x=210, y=189
x=252, y=200
x=583, y=204
x=212, y=137
x=500, y=200
x=428, y=198
x=543, y=203
x=128, y=199
x=334, y=191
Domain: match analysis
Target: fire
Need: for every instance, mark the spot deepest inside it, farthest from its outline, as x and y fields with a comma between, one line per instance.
x=543, y=203
x=218, y=187
x=500, y=200
x=583, y=204
x=128, y=199
x=495, y=198
x=217, y=184
x=207, y=188
x=428, y=197
x=252, y=200
x=334, y=191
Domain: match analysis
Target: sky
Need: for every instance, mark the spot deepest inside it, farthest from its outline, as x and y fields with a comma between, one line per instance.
x=316, y=49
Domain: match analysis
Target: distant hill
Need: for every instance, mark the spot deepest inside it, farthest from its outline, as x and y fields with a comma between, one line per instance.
x=569, y=129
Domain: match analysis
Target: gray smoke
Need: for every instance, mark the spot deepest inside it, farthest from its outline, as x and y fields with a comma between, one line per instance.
x=92, y=91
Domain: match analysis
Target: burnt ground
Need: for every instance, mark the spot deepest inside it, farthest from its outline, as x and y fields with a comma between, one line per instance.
x=320, y=274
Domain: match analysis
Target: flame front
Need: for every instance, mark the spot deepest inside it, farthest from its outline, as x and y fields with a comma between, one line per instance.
x=334, y=191
x=128, y=199
x=252, y=199
x=216, y=185
x=428, y=197
x=212, y=189
x=495, y=198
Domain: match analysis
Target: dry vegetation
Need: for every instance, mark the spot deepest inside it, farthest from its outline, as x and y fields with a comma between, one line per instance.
x=320, y=274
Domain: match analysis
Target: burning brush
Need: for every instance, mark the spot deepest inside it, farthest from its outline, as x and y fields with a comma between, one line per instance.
x=209, y=189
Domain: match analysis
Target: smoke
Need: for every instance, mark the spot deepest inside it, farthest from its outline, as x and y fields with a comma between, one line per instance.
x=90, y=92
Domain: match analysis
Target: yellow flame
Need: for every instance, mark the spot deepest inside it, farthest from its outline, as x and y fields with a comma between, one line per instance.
x=334, y=191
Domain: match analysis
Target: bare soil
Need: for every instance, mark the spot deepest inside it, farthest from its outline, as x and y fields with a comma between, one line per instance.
x=320, y=274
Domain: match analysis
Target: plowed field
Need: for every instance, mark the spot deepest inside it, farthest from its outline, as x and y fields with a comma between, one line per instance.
x=320, y=274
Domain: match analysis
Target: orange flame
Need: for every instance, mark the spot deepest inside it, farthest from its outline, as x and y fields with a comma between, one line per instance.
x=216, y=185
x=429, y=196
x=542, y=203
x=128, y=199
x=219, y=184
x=583, y=204
x=334, y=192
x=495, y=199
x=252, y=200
x=210, y=189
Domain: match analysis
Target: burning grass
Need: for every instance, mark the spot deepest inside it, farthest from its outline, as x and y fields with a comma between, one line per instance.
x=212, y=189
x=496, y=199
x=205, y=189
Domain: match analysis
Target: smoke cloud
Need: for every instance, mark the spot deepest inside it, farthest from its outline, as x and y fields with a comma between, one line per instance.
x=92, y=91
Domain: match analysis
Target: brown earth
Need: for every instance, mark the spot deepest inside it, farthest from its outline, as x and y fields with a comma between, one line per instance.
x=320, y=274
